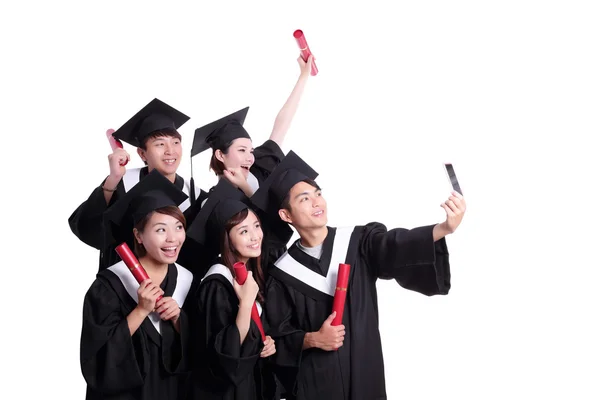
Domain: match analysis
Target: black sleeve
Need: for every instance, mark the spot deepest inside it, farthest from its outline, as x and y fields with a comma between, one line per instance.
x=266, y=157
x=411, y=257
x=283, y=327
x=86, y=221
x=108, y=359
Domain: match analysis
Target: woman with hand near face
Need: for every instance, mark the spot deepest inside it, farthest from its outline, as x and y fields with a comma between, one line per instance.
x=133, y=343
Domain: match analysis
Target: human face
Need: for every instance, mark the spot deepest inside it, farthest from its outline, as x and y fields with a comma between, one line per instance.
x=162, y=153
x=239, y=155
x=246, y=238
x=162, y=238
x=308, y=208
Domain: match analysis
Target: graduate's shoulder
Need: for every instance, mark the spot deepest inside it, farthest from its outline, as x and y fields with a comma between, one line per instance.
x=101, y=292
x=218, y=278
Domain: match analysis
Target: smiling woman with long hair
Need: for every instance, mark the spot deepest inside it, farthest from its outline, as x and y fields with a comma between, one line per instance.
x=133, y=343
x=230, y=359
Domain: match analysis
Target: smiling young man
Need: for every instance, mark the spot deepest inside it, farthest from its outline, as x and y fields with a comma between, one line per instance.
x=153, y=130
x=316, y=360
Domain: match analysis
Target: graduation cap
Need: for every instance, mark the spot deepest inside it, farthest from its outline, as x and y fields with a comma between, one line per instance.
x=152, y=192
x=223, y=203
x=217, y=134
x=276, y=187
x=220, y=132
x=155, y=116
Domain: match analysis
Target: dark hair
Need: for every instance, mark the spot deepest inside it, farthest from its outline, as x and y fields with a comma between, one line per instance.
x=228, y=254
x=170, y=132
x=173, y=211
x=286, y=201
x=215, y=164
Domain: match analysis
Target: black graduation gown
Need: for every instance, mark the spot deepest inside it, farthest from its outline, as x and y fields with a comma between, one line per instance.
x=267, y=156
x=276, y=234
x=222, y=368
x=86, y=221
x=117, y=366
x=356, y=370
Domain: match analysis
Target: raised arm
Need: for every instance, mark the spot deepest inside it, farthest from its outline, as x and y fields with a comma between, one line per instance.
x=86, y=221
x=286, y=114
x=417, y=258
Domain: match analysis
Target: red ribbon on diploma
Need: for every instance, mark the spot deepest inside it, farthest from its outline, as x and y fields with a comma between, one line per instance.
x=114, y=143
x=341, y=288
x=241, y=273
x=305, y=50
x=139, y=273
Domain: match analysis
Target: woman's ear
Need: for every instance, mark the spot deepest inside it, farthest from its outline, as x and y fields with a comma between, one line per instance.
x=138, y=236
x=219, y=156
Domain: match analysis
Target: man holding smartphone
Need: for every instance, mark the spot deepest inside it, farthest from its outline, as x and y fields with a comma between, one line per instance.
x=315, y=359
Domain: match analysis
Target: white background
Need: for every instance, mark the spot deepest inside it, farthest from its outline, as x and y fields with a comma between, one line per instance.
x=509, y=91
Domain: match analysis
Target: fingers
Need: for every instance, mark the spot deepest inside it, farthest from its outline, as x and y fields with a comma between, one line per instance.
x=329, y=319
x=150, y=290
x=167, y=309
x=145, y=283
x=339, y=340
x=459, y=200
x=234, y=176
x=145, y=286
x=269, y=348
x=452, y=205
x=156, y=291
x=448, y=210
x=166, y=304
x=233, y=171
x=267, y=352
x=268, y=344
x=456, y=194
x=120, y=155
x=163, y=304
x=170, y=314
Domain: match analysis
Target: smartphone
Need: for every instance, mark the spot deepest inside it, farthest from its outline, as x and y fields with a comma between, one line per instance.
x=452, y=178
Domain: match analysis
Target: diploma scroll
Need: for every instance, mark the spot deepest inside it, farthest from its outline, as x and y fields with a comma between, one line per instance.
x=305, y=50
x=136, y=268
x=341, y=288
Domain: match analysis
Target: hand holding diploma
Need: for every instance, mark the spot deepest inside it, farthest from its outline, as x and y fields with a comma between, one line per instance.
x=148, y=294
x=305, y=50
x=116, y=144
x=241, y=274
x=329, y=337
x=269, y=348
x=136, y=268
